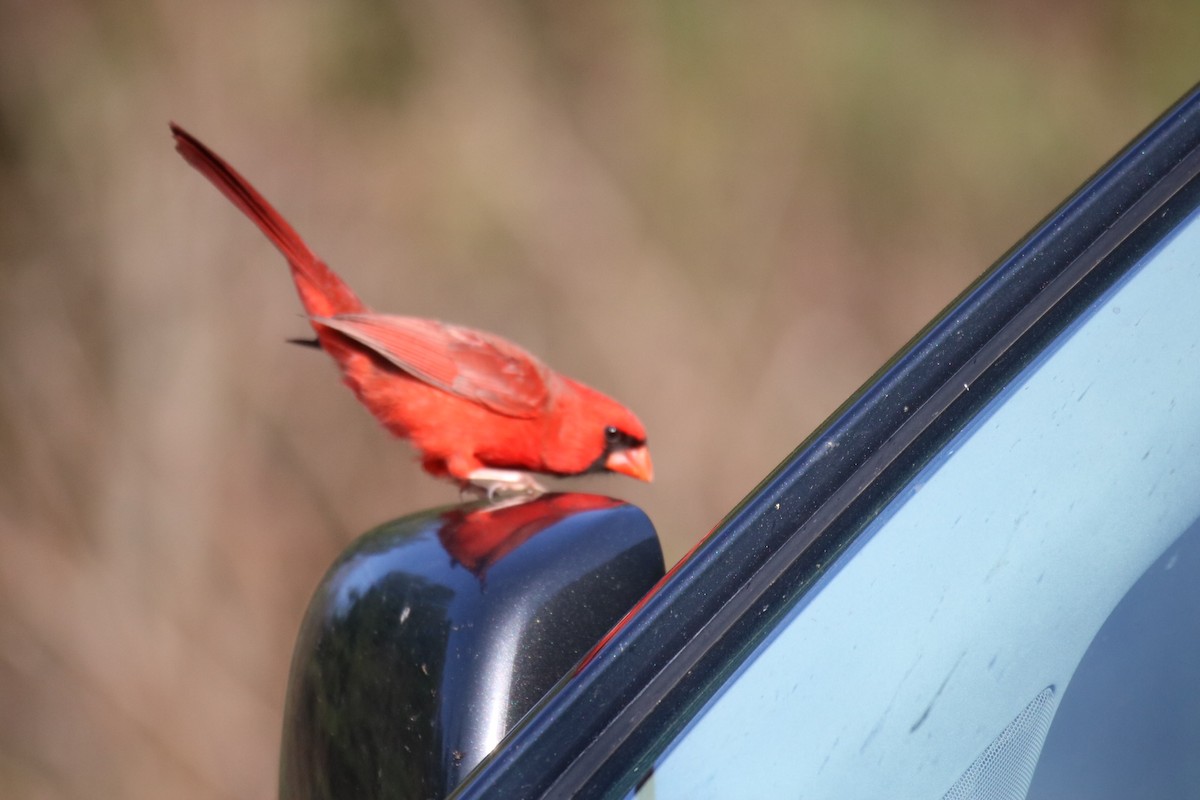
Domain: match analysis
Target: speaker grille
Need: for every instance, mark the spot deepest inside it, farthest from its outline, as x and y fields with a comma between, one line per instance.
x=1004, y=769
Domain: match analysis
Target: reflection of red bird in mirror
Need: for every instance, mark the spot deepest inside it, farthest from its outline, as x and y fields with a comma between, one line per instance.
x=481, y=410
x=478, y=538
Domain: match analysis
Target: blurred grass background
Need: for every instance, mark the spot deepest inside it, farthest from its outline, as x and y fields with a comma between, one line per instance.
x=726, y=215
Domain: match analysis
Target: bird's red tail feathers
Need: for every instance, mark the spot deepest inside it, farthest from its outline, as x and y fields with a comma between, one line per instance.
x=322, y=292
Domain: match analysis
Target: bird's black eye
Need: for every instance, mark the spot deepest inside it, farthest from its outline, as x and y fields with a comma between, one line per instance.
x=615, y=438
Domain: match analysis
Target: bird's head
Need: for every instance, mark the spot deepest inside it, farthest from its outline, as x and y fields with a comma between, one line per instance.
x=594, y=433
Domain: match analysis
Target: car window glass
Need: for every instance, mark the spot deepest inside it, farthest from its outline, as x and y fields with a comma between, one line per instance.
x=1129, y=722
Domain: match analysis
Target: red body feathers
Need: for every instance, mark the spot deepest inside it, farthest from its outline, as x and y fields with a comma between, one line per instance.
x=479, y=408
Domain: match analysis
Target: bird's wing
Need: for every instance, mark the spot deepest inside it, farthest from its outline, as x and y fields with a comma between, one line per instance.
x=472, y=364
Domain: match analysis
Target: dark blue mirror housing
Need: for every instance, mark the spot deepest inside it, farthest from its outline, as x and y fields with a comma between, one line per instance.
x=433, y=634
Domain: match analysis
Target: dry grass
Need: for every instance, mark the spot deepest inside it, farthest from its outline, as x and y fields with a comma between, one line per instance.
x=728, y=218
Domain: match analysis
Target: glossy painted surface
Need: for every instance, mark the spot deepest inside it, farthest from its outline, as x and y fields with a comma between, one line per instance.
x=433, y=634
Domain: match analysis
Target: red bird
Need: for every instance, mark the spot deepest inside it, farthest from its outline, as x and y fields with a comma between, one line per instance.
x=481, y=410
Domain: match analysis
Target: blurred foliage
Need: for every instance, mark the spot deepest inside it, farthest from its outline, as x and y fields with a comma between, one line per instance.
x=371, y=54
x=726, y=215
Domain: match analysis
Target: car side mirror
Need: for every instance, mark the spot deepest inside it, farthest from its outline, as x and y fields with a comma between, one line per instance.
x=433, y=634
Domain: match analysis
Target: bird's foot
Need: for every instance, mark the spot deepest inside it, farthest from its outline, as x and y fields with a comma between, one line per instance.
x=502, y=484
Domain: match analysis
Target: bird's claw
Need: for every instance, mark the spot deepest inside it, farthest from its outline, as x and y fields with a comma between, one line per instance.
x=496, y=485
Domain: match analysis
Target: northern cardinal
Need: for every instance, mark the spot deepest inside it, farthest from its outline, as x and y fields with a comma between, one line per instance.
x=479, y=409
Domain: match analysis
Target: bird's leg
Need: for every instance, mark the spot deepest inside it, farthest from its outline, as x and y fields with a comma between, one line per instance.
x=500, y=483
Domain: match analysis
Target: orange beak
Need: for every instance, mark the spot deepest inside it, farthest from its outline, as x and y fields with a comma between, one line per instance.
x=632, y=461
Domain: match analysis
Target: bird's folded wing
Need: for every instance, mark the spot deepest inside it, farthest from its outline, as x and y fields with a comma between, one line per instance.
x=474, y=365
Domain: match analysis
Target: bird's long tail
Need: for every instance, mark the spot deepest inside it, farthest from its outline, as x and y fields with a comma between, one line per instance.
x=322, y=292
